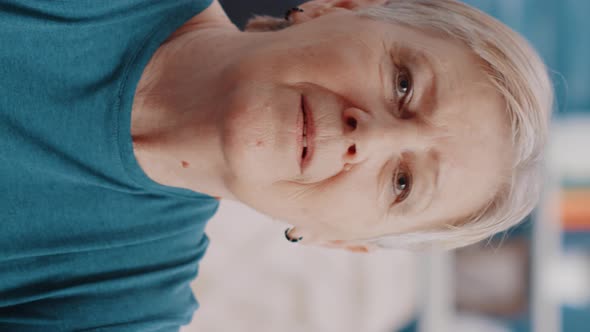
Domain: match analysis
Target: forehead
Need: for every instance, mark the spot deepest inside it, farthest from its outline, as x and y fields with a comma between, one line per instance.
x=475, y=152
x=474, y=139
x=468, y=127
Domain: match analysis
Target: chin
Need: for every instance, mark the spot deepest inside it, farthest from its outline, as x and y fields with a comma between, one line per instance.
x=258, y=133
x=249, y=154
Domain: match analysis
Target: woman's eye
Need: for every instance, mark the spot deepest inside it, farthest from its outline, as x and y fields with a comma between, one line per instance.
x=403, y=90
x=404, y=83
x=402, y=184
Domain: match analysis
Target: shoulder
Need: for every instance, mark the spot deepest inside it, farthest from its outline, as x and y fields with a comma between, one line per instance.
x=212, y=17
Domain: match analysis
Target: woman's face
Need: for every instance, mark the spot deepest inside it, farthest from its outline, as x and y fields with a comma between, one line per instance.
x=404, y=131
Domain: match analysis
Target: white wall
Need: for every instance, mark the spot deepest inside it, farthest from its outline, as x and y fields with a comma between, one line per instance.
x=252, y=279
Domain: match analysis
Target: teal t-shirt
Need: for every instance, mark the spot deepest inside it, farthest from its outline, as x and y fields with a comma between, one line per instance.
x=87, y=240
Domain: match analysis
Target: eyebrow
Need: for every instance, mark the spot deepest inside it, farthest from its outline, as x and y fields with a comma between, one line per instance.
x=420, y=201
x=425, y=71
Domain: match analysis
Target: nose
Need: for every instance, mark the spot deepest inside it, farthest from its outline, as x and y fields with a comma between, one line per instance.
x=365, y=136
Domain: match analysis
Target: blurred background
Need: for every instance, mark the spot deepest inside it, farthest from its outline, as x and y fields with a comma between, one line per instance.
x=534, y=278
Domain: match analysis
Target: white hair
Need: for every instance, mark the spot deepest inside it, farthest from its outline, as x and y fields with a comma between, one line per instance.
x=515, y=69
x=520, y=76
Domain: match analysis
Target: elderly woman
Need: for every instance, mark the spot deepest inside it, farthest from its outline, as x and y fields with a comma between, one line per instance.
x=363, y=124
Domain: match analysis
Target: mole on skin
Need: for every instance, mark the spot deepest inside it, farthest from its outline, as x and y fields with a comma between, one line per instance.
x=185, y=164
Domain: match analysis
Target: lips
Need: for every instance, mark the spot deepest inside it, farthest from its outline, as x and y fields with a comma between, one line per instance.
x=307, y=134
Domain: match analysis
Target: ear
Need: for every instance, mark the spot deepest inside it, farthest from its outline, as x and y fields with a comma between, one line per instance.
x=317, y=8
x=311, y=10
x=352, y=247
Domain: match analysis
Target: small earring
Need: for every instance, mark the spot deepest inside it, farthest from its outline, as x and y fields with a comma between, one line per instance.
x=291, y=239
x=290, y=11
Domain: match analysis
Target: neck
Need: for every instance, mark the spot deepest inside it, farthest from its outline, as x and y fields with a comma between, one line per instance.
x=177, y=118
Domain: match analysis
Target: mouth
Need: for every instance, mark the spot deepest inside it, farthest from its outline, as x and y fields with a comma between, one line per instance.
x=307, y=135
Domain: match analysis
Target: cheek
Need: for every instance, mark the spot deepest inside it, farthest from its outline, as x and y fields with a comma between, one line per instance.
x=260, y=67
x=337, y=66
x=349, y=204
